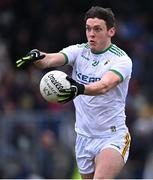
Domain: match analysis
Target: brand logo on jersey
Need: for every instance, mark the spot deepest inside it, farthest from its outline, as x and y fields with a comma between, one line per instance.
x=84, y=57
x=87, y=79
x=107, y=62
x=95, y=63
x=113, y=128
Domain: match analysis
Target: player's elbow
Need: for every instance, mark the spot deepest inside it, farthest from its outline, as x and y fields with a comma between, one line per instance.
x=105, y=88
x=108, y=86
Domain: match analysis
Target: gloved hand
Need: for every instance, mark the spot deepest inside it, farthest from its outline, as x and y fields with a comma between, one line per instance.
x=32, y=56
x=67, y=95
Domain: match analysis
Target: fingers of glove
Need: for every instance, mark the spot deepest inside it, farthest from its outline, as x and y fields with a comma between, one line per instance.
x=20, y=64
x=73, y=90
x=66, y=95
x=64, y=99
x=72, y=81
x=21, y=61
x=26, y=58
x=66, y=91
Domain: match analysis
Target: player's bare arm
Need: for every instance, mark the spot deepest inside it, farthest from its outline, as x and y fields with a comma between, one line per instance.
x=41, y=59
x=51, y=60
x=109, y=80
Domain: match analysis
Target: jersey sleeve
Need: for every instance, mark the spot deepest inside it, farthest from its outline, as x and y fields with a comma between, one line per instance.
x=70, y=53
x=123, y=67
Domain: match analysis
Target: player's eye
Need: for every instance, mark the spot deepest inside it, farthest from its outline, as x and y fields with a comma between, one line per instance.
x=88, y=29
x=97, y=29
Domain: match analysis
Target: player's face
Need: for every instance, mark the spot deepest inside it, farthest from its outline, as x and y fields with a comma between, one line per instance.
x=98, y=36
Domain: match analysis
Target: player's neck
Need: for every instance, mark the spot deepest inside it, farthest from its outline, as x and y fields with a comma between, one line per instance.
x=103, y=48
x=106, y=45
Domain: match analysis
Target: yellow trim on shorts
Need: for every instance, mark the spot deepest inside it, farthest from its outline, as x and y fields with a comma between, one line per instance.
x=127, y=143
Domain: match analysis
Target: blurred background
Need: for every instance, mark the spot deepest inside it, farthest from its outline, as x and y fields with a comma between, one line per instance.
x=37, y=138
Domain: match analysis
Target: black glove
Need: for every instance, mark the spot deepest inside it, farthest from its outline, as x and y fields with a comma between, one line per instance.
x=67, y=95
x=32, y=56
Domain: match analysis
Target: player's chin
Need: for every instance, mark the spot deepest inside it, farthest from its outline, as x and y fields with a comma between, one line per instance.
x=93, y=49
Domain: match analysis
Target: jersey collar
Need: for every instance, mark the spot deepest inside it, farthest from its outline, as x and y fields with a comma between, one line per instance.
x=101, y=52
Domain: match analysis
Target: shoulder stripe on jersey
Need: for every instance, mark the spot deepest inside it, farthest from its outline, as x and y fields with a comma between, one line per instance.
x=119, y=49
x=116, y=53
x=116, y=50
x=65, y=58
x=118, y=73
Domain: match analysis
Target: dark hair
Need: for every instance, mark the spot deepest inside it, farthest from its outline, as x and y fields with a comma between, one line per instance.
x=101, y=13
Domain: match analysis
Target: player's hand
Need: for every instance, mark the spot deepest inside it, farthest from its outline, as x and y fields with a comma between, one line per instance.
x=32, y=56
x=67, y=95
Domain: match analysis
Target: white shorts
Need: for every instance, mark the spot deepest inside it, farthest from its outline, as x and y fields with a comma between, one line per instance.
x=87, y=148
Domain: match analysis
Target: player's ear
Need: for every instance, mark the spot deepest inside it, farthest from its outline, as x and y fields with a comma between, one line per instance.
x=112, y=31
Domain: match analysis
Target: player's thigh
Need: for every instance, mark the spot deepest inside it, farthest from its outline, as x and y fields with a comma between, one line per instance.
x=108, y=164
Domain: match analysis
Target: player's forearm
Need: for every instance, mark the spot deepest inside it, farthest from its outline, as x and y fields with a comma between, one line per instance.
x=96, y=89
x=50, y=60
x=109, y=81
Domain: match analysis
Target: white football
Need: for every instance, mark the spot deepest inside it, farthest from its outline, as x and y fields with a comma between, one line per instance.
x=51, y=83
